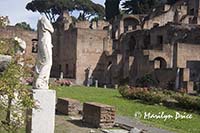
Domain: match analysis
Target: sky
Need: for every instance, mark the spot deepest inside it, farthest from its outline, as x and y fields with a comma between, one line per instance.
x=15, y=10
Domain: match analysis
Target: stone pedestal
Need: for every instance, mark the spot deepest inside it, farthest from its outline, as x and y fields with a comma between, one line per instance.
x=43, y=118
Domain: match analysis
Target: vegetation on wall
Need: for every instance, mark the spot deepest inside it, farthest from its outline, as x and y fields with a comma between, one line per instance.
x=143, y=6
x=24, y=26
x=7, y=46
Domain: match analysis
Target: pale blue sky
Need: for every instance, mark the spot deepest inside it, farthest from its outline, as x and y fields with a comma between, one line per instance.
x=16, y=11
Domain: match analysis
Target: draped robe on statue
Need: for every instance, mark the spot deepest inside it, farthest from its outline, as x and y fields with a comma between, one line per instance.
x=44, y=55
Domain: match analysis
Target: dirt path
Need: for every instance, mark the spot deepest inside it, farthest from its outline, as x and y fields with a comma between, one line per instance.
x=64, y=124
x=136, y=123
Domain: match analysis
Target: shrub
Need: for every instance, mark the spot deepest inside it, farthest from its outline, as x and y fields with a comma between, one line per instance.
x=123, y=90
x=149, y=97
x=15, y=98
x=171, y=85
x=197, y=86
x=7, y=46
x=146, y=81
x=124, y=81
x=187, y=102
x=63, y=82
x=127, y=91
x=144, y=94
x=27, y=81
x=156, y=96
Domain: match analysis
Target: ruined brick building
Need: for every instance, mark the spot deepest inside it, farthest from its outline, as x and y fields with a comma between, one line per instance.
x=78, y=46
x=164, y=44
x=8, y=32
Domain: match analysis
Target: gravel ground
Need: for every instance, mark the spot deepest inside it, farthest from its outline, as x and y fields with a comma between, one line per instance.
x=137, y=124
x=64, y=124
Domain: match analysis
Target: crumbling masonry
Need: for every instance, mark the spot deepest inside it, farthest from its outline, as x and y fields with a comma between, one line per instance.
x=164, y=44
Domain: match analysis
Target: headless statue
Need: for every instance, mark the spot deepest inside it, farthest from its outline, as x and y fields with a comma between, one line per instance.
x=44, y=55
x=20, y=50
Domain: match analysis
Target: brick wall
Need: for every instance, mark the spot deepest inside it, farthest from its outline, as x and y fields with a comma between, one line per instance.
x=99, y=115
x=27, y=36
x=187, y=52
x=89, y=51
x=68, y=106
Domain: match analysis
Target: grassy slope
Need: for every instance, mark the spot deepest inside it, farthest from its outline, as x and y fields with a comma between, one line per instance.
x=129, y=107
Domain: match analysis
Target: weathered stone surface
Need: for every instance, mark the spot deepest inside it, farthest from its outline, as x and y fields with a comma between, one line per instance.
x=42, y=118
x=27, y=36
x=44, y=55
x=68, y=106
x=99, y=115
x=6, y=58
x=4, y=61
x=135, y=130
x=114, y=131
x=157, y=44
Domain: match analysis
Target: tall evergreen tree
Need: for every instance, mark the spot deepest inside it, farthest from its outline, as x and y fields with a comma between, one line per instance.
x=171, y=1
x=112, y=8
x=24, y=26
x=139, y=6
x=51, y=8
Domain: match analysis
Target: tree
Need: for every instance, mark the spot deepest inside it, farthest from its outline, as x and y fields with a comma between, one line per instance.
x=24, y=26
x=99, y=11
x=89, y=9
x=139, y=6
x=112, y=8
x=4, y=21
x=171, y=2
x=42, y=6
x=51, y=8
x=15, y=98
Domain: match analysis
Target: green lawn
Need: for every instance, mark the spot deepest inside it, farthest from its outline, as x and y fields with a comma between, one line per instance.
x=129, y=107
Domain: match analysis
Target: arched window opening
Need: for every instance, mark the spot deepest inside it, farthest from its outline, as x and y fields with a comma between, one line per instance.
x=160, y=63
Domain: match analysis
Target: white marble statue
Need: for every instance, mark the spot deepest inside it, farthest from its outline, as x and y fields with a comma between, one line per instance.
x=44, y=55
x=22, y=45
x=20, y=50
x=89, y=76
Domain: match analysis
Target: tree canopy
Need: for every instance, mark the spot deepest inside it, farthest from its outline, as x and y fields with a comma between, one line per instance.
x=14, y=95
x=24, y=26
x=171, y=1
x=51, y=8
x=139, y=6
x=112, y=8
x=143, y=6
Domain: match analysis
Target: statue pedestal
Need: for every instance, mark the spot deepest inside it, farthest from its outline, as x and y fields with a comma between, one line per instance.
x=43, y=118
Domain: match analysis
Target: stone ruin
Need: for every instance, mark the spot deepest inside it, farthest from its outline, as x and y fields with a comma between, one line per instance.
x=165, y=42
x=68, y=106
x=4, y=61
x=95, y=114
x=99, y=115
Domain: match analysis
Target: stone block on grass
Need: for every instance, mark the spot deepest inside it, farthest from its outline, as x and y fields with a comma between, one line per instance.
x=99, y=115
x=68, y=106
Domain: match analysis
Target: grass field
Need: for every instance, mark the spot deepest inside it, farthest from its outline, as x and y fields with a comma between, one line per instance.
x=129, y=107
